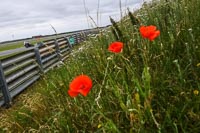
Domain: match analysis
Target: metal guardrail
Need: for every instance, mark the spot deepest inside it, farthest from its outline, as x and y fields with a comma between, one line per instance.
x=22, y=67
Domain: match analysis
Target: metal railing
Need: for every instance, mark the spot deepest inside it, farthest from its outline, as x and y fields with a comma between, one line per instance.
x=22, y=67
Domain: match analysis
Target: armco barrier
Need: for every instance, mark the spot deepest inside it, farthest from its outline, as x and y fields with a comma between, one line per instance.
x=20, y=69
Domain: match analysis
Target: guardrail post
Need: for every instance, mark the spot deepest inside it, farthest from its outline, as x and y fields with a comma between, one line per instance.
x=76, y=38
x=38, y=58
x=79, y=37
x=57, y=50
x=83, y=36
x=4, y=88
x=86, y=34
x=68, y=42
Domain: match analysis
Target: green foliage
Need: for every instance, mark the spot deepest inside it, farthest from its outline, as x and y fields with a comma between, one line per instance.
x=152, y=86
x=133, y=19
x=117, y=32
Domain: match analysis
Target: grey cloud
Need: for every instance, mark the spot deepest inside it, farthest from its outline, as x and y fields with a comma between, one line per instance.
x=17, y=15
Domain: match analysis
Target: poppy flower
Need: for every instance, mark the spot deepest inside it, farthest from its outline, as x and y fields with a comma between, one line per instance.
x=81, y=84
x=115, y=47
x=149, y=32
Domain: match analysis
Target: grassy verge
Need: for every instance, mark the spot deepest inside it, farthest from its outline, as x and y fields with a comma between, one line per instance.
x=10, y=46
x=151, y=86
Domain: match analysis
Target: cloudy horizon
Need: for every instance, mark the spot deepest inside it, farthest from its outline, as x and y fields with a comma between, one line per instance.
x=23, y=18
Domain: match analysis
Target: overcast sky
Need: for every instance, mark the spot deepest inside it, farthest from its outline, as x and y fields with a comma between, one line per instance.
x=26, y=18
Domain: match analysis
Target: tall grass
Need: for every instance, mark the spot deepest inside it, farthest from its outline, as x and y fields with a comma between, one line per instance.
x=152, y=86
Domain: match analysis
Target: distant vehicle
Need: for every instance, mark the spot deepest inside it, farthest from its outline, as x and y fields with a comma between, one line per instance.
x=27, y=44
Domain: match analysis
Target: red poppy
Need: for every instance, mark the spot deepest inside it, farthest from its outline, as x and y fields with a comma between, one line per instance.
x=81, y=84
x=149, y=32
x=115, y=47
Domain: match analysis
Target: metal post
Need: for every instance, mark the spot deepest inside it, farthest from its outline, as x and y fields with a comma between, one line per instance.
x=79, y=37
x=68, y=43
x=57, y=49
x=83, y=36
x=73, y=36
x=38, y=59
x=76, y=38
x=4, y=87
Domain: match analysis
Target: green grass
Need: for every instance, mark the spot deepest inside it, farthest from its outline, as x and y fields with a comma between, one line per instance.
x=147, y=88
x=10, y=46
